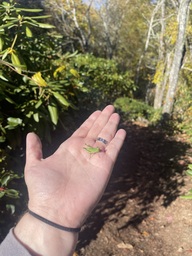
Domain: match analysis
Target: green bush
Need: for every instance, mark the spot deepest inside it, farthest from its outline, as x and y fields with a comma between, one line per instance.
x=134, y=109
x=37, y=81
x=104, y=81
x=5, y=178
x=183, y=110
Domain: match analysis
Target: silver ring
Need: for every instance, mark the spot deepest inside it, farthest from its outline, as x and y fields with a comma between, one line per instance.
x=102, y=140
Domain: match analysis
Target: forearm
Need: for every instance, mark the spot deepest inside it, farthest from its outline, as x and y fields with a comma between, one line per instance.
x=42, y=239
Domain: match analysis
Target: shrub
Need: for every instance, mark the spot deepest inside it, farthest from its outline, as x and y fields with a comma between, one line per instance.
x=183, y=110
x=104, y=81
x=133, y=109
x=37, y=82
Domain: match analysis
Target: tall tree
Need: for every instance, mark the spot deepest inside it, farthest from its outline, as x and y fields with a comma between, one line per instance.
x=178, y=56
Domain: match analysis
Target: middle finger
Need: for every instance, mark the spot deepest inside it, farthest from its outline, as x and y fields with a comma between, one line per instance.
x=100, y=122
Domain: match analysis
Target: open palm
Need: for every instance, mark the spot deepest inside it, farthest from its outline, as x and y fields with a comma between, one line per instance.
x=66, y=186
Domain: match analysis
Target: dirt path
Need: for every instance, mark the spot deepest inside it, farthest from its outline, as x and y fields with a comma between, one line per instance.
x=141, y=212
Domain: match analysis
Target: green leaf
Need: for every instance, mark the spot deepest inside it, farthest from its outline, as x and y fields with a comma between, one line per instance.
x=74, y=73
x=190, y=166
x=36, y=117
x=61, y=99
x=38, y=104
x=5, y=179
x=13, y=122
x=2, y=139
x=10, y=208
x=10, y=100
x=5, y=54
x=1, y=43
x=187, y=196
x=189, y=172
x=28, y=32
x=59, y=70
x=44, y=25
x=29, y=10
x=12, y=193
x=4, y=78
x=29, y=114
x=53, y=113
x=16, y=62
x=38, y=17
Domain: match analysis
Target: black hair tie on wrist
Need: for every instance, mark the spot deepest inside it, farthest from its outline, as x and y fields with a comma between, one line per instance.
x=55, y=225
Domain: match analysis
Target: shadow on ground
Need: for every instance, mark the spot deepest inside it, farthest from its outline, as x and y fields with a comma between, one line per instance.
x=149, y=168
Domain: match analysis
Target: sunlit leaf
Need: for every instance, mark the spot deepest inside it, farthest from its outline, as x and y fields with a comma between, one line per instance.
x=38, y=80
x=36, y=117
x=61, y=99
x=5, y=179
x=16, y=62
x=189, y=172
x=74, y=72
x=53, y=113
x=187, y=196
x=29, y=10
x=1, y=43
x=13, y=122
x=5, y=54
x=29, y=32
x=38, y=104
x=10, y=100
x=38, y=17
x=59, y=70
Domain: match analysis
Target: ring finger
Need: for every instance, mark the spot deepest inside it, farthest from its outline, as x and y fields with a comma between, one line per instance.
x=109, y=130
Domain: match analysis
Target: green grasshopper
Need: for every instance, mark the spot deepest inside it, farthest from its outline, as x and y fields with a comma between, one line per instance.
x=91, y=150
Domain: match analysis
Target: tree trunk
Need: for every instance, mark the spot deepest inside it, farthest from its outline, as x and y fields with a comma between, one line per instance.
x=178, y=55
x=161, y=86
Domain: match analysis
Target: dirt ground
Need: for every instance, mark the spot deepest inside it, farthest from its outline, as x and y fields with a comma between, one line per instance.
x=141, y=213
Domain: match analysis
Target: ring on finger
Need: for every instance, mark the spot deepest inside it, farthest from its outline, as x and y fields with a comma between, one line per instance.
x=102, y=140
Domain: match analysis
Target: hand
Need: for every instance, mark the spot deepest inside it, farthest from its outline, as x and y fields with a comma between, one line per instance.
x=66, y=186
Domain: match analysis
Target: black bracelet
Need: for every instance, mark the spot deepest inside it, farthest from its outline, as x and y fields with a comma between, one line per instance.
x=55, y=225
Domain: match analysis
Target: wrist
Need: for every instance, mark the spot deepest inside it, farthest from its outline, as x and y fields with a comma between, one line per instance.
x=42, y=239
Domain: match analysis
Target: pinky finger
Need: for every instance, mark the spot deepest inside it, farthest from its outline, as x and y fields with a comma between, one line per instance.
x=116, y=143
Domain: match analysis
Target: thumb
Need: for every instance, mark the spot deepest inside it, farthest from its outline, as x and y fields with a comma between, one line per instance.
x=33, y=148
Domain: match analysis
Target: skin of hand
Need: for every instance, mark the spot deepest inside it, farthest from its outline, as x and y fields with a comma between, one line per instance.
x=66, y=186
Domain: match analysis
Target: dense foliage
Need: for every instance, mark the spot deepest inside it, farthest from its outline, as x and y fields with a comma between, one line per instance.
x=136, y=110
x=104, y=81
x=34, y=86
